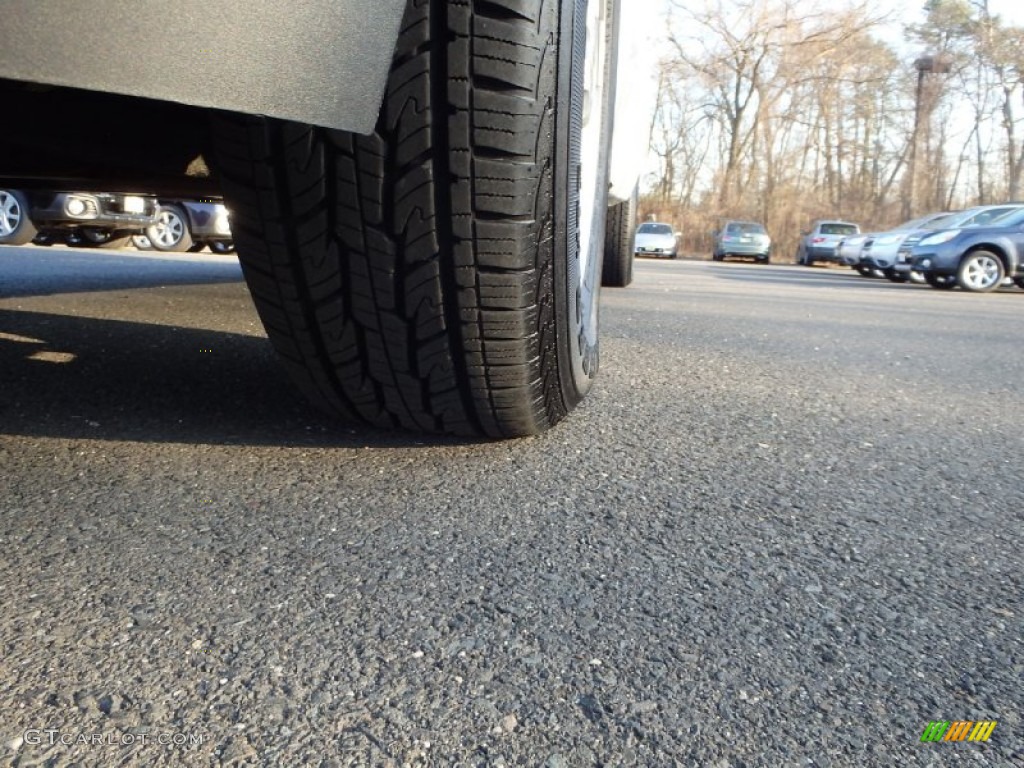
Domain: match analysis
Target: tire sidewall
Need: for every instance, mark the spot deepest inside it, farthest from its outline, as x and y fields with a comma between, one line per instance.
x=24, y=231
x=576, y=315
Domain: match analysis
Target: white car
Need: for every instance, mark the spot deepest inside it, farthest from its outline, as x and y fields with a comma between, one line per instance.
x=656, y=239
x=878, y=253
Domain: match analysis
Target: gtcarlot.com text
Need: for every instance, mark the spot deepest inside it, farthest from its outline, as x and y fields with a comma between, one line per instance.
x=52, y=736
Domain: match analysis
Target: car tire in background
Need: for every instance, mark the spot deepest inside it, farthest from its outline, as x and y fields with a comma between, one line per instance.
x=940, y=282
x=171, y=231
x=1019, y=282
x=222, y=247
x=16, y=228
x=97, y=237
x=620, y=229
x=141, y=243
x=896, y=276
x=441, y=273
x=980, y=272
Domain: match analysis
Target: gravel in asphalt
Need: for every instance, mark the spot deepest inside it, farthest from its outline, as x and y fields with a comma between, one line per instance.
x=783, y=530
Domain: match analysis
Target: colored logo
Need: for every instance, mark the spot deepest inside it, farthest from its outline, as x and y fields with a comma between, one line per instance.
x=959, y=730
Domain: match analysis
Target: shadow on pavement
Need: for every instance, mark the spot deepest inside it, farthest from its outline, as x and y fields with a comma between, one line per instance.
x=76, y=377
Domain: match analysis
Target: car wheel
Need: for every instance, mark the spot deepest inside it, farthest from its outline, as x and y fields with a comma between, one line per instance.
x=620, y=227
x=141, y=242
x=894, y=276
x=765, y=260
x=941, y=282
x=980, y=272
x=170, y=233
x=808, y=261
x=16, y=228
x=441, y=273
x=97, y=237
x=224, y=247
x=196, y=247
x=863, y=270
x=1019, y=282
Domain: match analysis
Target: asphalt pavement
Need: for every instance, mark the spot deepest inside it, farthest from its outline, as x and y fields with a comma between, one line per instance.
x=784, y=530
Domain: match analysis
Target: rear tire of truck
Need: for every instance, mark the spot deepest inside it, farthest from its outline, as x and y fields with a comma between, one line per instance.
x=618, y=243
x=16, y=228
x=441, y=274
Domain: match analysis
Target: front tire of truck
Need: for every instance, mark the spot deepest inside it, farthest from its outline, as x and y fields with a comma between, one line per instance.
x=442, y=273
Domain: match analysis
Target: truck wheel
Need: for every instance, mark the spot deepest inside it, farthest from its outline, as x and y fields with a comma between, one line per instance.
x=171, y=232
x=442, y=273
x=618, y=243
x=980, y=272
x=16, y=228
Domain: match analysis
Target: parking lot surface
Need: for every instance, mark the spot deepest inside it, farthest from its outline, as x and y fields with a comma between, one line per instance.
x=783, y=530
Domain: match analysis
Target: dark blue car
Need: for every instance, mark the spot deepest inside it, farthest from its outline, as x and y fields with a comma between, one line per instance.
x=978, y=259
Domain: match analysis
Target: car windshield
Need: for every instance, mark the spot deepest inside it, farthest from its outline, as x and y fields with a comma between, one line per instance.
x=654, y=229
x=949, y=220
x=1012, y=219
x=925, y=222
x=744, y=228
x=838, y=229
x=985, y=217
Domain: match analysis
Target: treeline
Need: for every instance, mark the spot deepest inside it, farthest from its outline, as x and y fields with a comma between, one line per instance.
x=773, y=112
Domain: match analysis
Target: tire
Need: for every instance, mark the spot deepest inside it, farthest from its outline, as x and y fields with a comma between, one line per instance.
x=96, y=237
x=171, y=233
x=439, y=274
x=222, y=247
x=940, y=282
x=980, y=272
x=196, y=247
x=1019, y=282
x=16, y=228
x=142, y=243
x=896, y=277
x=620, y=228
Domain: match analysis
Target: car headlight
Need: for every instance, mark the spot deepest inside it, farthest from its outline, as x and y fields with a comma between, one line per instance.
x=939, y=237
x=75, y=206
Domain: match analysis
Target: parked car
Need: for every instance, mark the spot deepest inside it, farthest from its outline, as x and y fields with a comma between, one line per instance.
x=656, y=239
x=742, y=238
x=94, y=218
x=820, y=242
x=879, y=249
x=977, y=258
x=979, y=215
x=848, y=251
x=191, y=225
